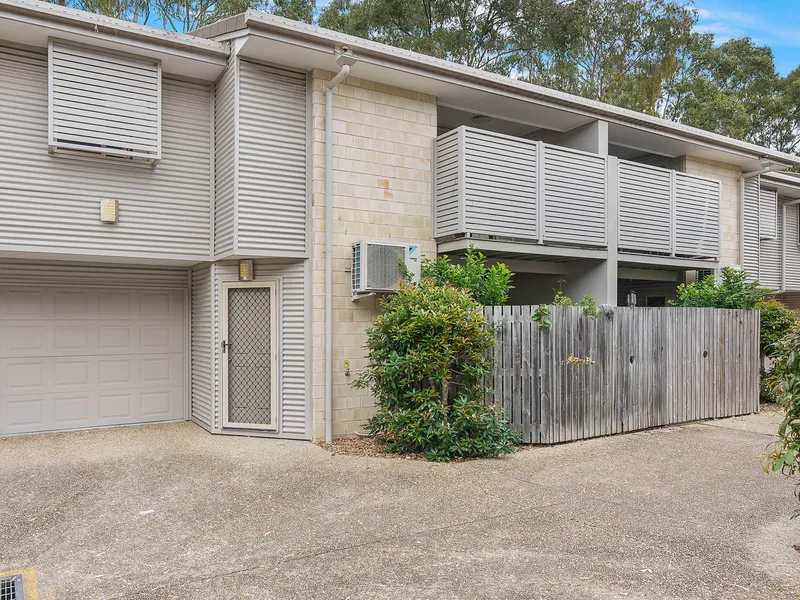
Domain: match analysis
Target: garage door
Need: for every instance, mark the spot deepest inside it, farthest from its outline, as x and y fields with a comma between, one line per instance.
x=78, y=357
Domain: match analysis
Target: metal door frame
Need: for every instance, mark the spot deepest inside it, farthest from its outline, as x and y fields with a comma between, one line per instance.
x=272, y=425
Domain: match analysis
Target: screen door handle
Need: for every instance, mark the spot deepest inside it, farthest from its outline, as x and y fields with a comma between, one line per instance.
x=225, y=345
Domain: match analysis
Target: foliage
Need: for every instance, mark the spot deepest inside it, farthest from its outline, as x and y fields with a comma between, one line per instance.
x=734, y=89
x=784, y=454
x=488, y=286
x=777, y=320
x=427, y=362
x=731, y=289
x=541, y=313
x=188, y=15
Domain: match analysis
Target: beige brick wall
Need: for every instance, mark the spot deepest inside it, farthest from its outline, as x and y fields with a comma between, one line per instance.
x=729, y=176
x=381, y=191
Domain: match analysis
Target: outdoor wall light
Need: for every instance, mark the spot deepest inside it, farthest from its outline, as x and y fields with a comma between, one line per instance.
x=246, y=269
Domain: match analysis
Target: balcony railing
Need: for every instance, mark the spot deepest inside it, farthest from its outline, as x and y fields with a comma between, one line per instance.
x=503, y=187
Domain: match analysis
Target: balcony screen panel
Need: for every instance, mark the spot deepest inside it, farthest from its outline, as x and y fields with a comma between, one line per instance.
x=768, y=214
x=644, y=208
x=792, y=246
x=697, y=210
x=500, y=185
x=104, y=103
x=447, y=183
x=751, y=226
x=769, y=272
x=574, y=197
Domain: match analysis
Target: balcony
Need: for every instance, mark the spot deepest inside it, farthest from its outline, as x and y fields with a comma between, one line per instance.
x=549, y=199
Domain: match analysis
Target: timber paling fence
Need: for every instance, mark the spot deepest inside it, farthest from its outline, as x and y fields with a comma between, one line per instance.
x=646, y=367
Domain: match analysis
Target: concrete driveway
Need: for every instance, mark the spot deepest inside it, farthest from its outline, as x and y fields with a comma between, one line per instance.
x=169, y=511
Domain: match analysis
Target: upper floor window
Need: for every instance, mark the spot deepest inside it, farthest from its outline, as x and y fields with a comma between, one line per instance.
x=103, y=103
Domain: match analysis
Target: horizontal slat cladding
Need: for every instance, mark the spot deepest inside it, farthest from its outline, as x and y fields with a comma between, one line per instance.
x=792, y=246
x=500, y=185
x=202, y=383
x=574, y=197
x=770, y=260
x=52, y=202
x=273, y=143
x=225, y=161
x=104, y=103
x=644, y=208
x=697, y=215
x=105, y=275
x=751, y=217
x=769, y=214
x=447, y=183
x=293, y=368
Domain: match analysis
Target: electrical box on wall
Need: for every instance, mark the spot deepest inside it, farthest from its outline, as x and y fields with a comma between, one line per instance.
x=379, y=266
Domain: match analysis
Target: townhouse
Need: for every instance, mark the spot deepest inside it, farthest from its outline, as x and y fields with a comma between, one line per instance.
x=185, y=235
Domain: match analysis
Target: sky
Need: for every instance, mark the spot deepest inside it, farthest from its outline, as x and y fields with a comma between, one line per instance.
x=775, y=23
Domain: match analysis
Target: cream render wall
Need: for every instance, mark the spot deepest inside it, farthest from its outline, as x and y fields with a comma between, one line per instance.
x=729, y=176
x=382, y=170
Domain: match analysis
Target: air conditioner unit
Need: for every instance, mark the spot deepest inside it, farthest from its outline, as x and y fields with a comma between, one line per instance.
x=377, y=265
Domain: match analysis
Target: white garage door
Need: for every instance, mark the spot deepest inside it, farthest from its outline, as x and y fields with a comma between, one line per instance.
x=80, y=357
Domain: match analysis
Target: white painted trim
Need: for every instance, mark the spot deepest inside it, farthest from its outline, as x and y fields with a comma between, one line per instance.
x=274, y=368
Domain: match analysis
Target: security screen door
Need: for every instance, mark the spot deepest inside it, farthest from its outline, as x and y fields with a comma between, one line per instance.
x=249, y=356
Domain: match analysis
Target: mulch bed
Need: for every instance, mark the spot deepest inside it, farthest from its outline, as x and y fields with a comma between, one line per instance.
x=365, y=446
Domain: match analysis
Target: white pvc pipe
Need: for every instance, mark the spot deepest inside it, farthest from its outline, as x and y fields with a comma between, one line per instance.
x=329, y=250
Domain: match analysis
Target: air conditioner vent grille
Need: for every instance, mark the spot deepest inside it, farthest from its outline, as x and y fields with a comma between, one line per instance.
x=384, y=266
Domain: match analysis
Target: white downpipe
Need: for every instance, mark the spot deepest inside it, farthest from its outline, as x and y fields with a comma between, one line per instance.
x=345, y=70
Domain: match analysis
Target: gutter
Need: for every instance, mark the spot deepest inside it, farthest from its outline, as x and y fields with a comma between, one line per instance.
x=345, y=60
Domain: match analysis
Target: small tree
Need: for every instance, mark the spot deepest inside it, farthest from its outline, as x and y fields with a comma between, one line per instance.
x=732, y=289
x=785, y=453
x=489, y=286
x=427, y=361
x=777, y=320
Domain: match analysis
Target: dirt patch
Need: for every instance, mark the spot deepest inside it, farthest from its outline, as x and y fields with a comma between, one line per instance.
x=771, y=407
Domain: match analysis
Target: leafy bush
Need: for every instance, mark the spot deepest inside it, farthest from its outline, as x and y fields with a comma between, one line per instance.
x=489, y=286
x=730, y=290
x=541, y=313
x=785, y=453
x=427, y=361
x=777, y=320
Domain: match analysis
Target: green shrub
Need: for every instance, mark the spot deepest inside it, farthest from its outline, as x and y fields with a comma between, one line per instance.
x=541, y=314
x=731, y=289
x=427, y=362
x=777, y=320
x=489, y=286
x=785, y=453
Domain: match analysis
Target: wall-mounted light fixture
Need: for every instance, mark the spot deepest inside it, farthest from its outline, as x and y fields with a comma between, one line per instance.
x=246, y=269
x=109, y=211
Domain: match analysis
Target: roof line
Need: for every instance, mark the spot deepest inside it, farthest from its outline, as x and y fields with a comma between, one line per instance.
x=96, y=23
x=260, y=20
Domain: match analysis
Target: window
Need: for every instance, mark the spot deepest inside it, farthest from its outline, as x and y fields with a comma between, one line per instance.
x=104, y=103
x=768, y=214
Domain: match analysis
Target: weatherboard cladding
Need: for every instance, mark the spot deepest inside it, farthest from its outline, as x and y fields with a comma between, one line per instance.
x=202, y=346
x=225, y=161
x=294, y=368
x=273, y=156
x=52, y=202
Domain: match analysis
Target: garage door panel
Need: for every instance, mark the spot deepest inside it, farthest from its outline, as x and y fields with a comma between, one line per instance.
x=25, y=338
x=73, y=358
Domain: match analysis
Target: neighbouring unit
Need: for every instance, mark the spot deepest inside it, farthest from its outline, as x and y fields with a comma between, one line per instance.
x=378, y=266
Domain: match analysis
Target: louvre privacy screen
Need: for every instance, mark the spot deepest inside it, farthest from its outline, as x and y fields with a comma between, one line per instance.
x=629, y=369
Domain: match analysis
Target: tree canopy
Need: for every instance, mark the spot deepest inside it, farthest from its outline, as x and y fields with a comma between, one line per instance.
x=637, y=54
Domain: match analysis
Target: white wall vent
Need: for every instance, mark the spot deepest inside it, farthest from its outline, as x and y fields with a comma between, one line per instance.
x=376, y=265
x=103, y=103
